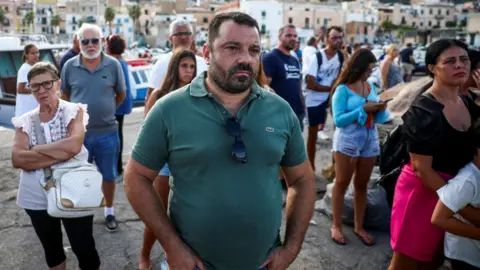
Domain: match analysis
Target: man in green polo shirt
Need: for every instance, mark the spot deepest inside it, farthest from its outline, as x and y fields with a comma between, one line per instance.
x=224, y=139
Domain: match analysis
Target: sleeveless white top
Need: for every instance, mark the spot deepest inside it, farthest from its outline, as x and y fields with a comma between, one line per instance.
x=30, y=194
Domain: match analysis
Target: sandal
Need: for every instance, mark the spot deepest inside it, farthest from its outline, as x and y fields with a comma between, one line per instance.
x=366, y=239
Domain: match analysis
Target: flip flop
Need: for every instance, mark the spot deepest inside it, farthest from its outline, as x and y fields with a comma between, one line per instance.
x=149, y=268
x=364, y=240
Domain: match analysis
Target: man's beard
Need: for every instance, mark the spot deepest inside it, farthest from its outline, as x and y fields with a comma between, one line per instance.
x=86, y=55
x=226, y=79
x=287, y=46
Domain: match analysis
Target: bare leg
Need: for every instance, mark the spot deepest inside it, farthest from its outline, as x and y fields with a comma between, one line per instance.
x=163, y=188
x=62, y=266
x=108, y=189
x=362, y=176
x=344, y=167
x=403, y=262
x=312, y=144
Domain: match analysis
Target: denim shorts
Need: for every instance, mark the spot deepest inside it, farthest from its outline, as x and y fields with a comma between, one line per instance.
x=165, y=171
x=104, y=151
x=356, y=141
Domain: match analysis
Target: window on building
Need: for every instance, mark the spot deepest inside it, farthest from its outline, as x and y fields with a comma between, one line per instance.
x=74, y=28
x=119, y=21
x=307, y=22
x=168, y=19
x=83, y=9
x=429, y=23
x=91, y=9
x=291, y=8
x=263, y=29
x=438, y=23
x=129, y=29
x=387, y=18
x=212, y=9
x=430, y=11
x=307, y=9
x=290, y=20
x=205, y=20
x=318, y=20
x=264, y=13
x=185, y=18
x=6, y=9
x=325, y=21
x=414, y=24
x=126, y=20
x=403, y=20
x=448, y=12
x=117, y=30
x=439, y=12
x=421, y=12
x=421, y=24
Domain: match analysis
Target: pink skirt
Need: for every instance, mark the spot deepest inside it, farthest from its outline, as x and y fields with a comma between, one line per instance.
x=412, y=232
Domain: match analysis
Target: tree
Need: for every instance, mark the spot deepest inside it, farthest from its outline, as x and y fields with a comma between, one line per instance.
x=451, y=24
x=109, y=17
x=55, y=21
x=3, y=17
x=135, y=12
x=388, y=27
x=29, y=19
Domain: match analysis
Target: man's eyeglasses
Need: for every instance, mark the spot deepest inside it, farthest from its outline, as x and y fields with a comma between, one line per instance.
x=94, y=41
x=47, y=85
x=182, y=34
x=239, y=152
x=336, y=38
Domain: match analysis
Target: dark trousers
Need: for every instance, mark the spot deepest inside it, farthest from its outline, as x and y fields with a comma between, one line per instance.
x=80, y=235
x=120, y=134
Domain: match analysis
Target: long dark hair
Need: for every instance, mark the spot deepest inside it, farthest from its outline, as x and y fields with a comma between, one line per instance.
x=356, y=67
x=26, y=49
x=171, y=81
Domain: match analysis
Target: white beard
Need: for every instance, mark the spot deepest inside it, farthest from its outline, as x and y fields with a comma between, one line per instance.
x=89, y=56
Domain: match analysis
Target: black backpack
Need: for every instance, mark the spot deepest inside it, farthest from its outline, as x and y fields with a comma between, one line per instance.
x=320, y=59
x=393, y=155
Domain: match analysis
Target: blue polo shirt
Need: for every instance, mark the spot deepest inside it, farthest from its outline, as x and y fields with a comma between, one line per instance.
x=286, y=77
x=97, y=89
x=127, y=104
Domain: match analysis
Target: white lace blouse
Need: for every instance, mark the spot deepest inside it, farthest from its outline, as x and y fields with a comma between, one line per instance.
x=30, y=194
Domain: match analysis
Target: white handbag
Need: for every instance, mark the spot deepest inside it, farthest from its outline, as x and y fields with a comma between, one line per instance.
x=73, y=189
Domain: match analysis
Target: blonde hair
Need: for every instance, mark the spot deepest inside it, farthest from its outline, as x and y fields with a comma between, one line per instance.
x=391, y=48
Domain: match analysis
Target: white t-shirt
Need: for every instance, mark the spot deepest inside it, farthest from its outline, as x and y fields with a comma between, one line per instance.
x=30, y=194
x=459, y=192
x=161, y=66
x=307, y=55
x=24, y=102
x=325, y=76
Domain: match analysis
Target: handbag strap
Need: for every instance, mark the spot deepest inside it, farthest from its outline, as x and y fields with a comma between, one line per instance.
x=40, y=136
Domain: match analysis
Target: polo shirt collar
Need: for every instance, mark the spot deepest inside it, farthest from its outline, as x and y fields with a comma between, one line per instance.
x=198, y=89
x=104, y=63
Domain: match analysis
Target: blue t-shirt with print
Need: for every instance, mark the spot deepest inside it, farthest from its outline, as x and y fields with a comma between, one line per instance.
x=286, y=77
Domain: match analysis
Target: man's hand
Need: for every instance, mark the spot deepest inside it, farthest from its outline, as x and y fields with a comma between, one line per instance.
x=280, y=259
x=183, y=258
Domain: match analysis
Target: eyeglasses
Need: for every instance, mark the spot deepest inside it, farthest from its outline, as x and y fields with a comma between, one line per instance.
x=239, y=153
x=94, y=41
x=182, y=34
x=47, y=85
x=336, y=38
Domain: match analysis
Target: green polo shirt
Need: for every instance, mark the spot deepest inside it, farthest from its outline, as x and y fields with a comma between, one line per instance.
x=228, y=212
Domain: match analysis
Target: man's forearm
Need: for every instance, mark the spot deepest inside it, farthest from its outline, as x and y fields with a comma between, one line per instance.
x=299, y=210
x=471, y=214
x=147, y=204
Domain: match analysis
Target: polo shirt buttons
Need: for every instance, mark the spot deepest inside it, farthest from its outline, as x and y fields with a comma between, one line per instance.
x=224, y=112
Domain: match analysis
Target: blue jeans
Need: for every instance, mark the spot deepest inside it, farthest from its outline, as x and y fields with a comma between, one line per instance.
x=104, y=150
x=356, y=141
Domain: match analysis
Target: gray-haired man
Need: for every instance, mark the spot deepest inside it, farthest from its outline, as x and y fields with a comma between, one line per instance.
x=181, y=36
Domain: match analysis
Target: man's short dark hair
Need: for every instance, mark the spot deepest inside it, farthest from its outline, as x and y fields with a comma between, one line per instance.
x=311, y=41
x=409, y=45
x=288, y=26
x=331, y=28
x=357, y=46
x=237, y=17
x=116, y=44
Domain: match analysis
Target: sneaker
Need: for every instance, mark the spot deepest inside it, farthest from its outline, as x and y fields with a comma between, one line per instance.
x=323, y=136
x=110, y=223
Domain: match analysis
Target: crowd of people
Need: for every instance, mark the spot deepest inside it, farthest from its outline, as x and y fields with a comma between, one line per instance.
x=224, y=131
